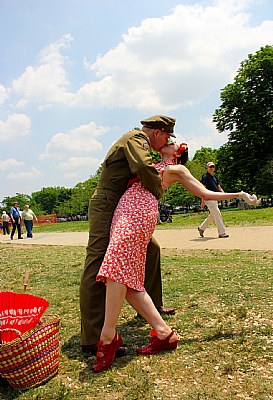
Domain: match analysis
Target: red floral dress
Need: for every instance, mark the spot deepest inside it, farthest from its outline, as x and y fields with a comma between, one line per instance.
x=132, y=227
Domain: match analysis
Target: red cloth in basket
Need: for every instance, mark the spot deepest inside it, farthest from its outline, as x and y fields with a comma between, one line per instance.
x=19, y=312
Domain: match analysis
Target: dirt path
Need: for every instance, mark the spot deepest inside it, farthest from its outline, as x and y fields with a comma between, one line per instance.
x=241, y=238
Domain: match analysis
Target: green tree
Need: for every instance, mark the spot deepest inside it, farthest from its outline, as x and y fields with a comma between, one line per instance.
x=22, y=199
x=177, y=195
x=156, y=157
x=265, y=178
x=204, y=155
x=247, y=113
x=50, y=198
x=79, y=200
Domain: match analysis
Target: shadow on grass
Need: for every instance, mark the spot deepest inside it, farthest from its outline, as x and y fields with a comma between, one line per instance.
x=7, y=392
x=137, y=332
x=216, y=336
x=132, y=329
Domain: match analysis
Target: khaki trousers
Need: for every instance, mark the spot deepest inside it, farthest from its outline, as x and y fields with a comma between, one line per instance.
x=214, y=215
x=92, y=293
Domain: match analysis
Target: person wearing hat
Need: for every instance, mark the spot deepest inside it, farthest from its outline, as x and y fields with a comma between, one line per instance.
x=15, y=220
x=128, y=158
x=5, y=223
x=210, y=181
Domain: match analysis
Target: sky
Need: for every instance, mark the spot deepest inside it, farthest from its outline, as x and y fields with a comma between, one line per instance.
x=75, y=75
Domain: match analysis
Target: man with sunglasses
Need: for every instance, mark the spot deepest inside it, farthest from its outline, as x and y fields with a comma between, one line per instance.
x=211, y=182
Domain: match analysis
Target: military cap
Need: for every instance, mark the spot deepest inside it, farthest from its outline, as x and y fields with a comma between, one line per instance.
x=161, y=122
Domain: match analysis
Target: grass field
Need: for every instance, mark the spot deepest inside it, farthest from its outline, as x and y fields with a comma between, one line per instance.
x=224, y=318
x=259, y=216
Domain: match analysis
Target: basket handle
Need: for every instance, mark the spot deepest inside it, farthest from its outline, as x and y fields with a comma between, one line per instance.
x=26, y=280
x=13, y=330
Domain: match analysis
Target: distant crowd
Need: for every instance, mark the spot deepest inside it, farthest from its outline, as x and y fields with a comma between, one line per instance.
x=16, y=219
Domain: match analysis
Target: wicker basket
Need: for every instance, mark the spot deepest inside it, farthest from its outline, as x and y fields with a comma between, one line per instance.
x=32, y=358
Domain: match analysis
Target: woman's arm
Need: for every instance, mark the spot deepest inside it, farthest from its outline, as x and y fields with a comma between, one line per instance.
x=179, y=173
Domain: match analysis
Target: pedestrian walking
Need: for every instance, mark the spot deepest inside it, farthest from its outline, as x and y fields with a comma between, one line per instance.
x=211, y=182
x=28, y=216
x=5, y=223
x=15, y=220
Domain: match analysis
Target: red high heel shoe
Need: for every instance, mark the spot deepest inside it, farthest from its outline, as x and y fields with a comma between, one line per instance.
x=106, y=353
x=156, y=345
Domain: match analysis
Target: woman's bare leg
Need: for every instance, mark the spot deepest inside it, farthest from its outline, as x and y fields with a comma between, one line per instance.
x=143, y=304
x=115, y=295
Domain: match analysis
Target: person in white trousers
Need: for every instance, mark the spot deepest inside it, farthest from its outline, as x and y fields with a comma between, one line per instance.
x=211, y=182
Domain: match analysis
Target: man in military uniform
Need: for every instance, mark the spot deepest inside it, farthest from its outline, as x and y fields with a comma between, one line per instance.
x=129, y=157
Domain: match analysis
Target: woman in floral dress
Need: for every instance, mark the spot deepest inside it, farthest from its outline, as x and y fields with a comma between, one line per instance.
x=123, y=268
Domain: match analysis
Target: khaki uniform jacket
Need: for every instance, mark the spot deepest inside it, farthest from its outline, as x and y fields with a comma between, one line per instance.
x=130, y=157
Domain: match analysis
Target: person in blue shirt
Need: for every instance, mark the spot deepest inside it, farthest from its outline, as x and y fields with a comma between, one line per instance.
x=210, y=181
x=15, y=220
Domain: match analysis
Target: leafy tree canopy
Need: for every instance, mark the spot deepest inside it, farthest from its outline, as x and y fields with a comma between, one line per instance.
x=22, y=199
x=204, y=155
x=51, y=197
x=79, y=200
x=247, y=113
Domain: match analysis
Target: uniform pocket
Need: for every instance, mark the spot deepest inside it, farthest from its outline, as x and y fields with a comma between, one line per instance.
x=104, y=200
x=101, y=209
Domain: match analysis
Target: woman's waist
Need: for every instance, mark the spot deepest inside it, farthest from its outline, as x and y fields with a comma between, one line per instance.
x=132, y=181
x=138, y=192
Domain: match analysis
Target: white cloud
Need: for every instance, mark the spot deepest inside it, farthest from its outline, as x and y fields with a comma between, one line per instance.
x=78, y=168
x=210, y=138
x=48, y=81
x=16, y=126
x=79, y=163
x=3, y=94
x=72, y=177
x=166, y=63
x=80, y=140
x=33, y=173
x=10, y=163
